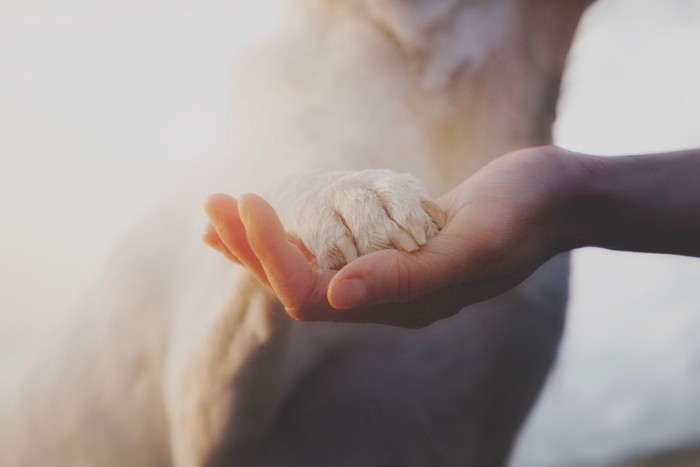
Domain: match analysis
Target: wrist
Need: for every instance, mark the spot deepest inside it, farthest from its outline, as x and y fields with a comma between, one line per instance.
x=584, y=201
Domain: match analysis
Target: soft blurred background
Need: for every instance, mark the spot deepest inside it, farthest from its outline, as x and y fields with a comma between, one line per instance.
x=105, y=105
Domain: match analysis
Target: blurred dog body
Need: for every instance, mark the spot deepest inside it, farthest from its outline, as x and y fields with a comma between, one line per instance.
x=177, y=357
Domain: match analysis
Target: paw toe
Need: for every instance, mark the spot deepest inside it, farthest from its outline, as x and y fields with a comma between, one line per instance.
x=435, y=212
x=347, y=248
x=402, y=240
x=416, y=228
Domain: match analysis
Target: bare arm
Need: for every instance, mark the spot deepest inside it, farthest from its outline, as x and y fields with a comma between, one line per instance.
x=648, y=203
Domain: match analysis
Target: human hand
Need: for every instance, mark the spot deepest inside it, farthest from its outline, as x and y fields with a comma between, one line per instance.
x=248, y=232
x=502, y=224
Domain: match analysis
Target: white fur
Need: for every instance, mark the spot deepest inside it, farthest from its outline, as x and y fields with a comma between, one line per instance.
x=343, y=215
x=177, y=357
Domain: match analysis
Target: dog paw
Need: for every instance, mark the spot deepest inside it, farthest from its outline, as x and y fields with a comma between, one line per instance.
x=360, y=212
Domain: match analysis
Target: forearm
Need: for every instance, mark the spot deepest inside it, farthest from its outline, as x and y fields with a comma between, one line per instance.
x=648, y=203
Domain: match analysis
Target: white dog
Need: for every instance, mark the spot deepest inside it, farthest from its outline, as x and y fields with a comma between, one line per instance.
x=178, y=357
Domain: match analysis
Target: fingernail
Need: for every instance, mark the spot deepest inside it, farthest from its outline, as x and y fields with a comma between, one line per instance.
x=350, y=293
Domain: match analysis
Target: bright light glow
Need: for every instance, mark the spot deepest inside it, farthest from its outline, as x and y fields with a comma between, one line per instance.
x=104, y=105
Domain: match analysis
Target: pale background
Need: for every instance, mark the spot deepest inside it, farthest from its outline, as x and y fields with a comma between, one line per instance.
x=103, y=107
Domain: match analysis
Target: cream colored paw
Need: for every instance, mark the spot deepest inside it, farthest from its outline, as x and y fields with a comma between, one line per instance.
x=362, y=212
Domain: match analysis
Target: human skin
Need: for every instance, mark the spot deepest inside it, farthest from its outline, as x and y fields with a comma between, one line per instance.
x=502, y=224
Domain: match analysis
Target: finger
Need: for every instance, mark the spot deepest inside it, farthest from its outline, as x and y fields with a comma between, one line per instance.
x=212, y=239
x=427, y=309
x=414, y=314
x=225, y=217
x=295, y=281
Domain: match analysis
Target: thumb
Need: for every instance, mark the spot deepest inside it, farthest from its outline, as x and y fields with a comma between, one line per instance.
x=394, y=276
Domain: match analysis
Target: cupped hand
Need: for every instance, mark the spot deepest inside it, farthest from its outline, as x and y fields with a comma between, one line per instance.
x=502, y=224
x=248, y=231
